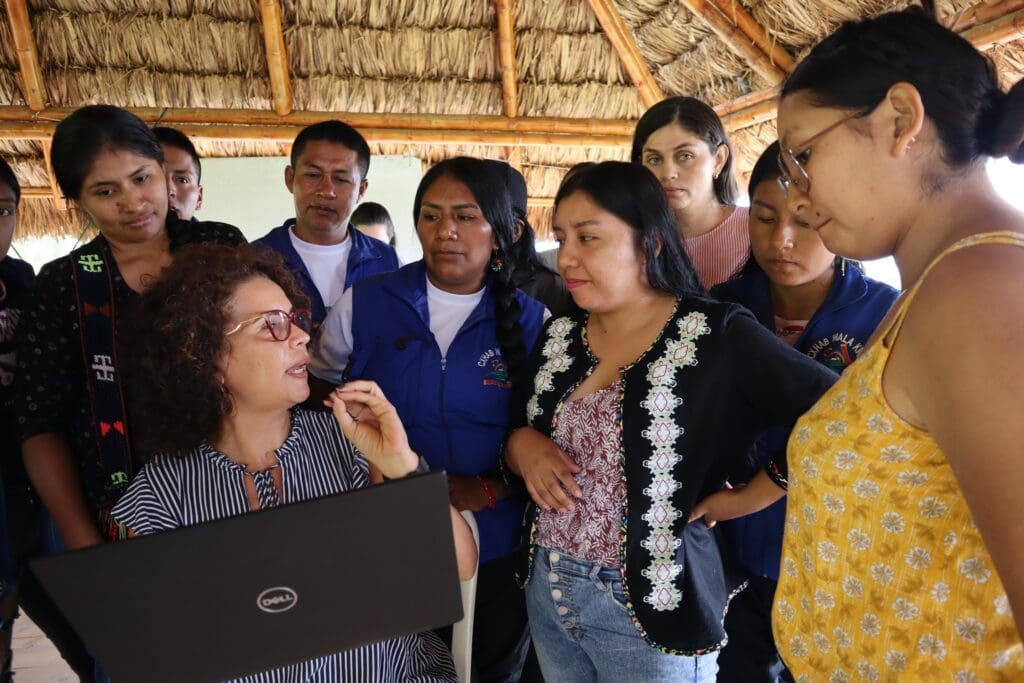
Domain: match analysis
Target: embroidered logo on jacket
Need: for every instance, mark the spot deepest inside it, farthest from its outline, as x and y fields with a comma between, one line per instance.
x=836, y=351
x=498, y=376
x=661, y=403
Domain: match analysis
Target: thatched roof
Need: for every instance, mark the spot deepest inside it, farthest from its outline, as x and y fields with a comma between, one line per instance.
x=572, y=78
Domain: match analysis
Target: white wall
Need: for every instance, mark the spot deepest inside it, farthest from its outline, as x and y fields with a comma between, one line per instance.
x=250, y=193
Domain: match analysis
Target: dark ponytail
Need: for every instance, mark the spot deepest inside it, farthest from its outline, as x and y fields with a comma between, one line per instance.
x=489, y=189
x=856, y=66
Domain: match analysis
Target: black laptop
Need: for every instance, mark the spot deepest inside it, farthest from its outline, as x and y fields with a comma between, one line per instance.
x=267, y=589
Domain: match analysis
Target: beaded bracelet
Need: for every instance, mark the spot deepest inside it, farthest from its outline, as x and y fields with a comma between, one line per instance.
x=491, y=500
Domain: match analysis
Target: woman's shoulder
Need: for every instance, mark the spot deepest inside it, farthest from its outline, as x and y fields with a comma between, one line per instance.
x=198, y=232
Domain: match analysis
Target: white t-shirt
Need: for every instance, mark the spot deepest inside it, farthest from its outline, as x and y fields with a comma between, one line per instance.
x=327, y=265
x=448, y=312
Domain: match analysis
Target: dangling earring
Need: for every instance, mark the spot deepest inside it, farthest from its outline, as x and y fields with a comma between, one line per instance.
x=497, y=263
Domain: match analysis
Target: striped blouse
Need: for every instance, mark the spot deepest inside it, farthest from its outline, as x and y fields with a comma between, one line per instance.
x=719, y=254
x=315, y=460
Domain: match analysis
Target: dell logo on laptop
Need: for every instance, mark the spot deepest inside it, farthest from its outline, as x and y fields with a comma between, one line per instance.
x=277, y=599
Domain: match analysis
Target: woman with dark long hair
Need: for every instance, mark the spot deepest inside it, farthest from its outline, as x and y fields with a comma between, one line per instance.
x=631, y=410
x=683, y=143
x=443, y=337
x=902, y=555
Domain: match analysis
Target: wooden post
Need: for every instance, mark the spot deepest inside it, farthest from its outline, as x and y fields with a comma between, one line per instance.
x=507, y=58
x=735, y=12
x=1004, y=29
x=28, y=55
x=55, y=193
x=736, y=39
x=625, y=45
x=277, y=56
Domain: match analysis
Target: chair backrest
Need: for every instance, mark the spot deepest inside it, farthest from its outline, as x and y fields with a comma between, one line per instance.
x=462, y=631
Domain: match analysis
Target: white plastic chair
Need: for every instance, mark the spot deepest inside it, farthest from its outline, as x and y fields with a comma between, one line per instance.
x=462, y=631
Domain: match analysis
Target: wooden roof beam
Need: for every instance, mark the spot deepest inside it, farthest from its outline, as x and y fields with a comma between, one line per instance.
x=625, y=45
x=736, y=40
x=55, y=193
x=277, y=56
x=301, y=119
x=28, y=55
x=507, y=58
x=1000, y=30
x=756, y=33
x=34, y=129
x=984, y=12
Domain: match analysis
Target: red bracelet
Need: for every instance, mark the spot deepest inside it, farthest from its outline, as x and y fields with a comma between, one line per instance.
x=491, y=500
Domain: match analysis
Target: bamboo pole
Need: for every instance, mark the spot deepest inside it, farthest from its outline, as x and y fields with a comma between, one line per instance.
x=28, y=55
x=42, y=130
x=277, y=56
x=175, y=117
x=1004, y=29
x=55, y=192
x=37, y=193
x=625, y=45
x=752, y=115
x=507, y=58
x=735, y=39
x=540, y=202
x=985, y=12
x=734, y=11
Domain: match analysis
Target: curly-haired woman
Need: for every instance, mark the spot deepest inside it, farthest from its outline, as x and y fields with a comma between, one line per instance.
x=225, y=366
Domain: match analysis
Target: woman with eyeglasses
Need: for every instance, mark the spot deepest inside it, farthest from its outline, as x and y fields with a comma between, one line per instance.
x=683, y=142
x=902, y=557
x=221, y=368
x=825, y=307
x=444, y=338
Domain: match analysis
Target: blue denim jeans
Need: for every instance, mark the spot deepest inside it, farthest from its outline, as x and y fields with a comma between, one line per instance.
x=583, y=632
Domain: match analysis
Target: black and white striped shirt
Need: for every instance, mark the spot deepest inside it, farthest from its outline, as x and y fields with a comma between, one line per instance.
x=316, y=460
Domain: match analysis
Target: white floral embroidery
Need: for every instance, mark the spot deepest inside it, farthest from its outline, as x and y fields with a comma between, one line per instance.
x=797, y=647
x=882, y=573
x=905, y=610
x=858, y=539
x=895, y=454
x=863, y=388
x=838, y=676
x=1001, y=658
x=556, y=360
x=792, y=521
x=877, y=423
x=911, y=478
x=853, y=587
x=893, y=522
x=932, y=508
x=803, y=433
x=930, y=646
x=895, y=660
x=808, y=562
x=833, y=504
x=918, y=558
x=824, y=599
x=789, y=567
x=805, y=604
x=975, y=569
x=809, y=514
x=663, y=432
x=785, y=609
x=1001, y=605
x=839, y=400
x=809, y=467
x=843, y=638
x=950, y=539
x=845, y=460
x=965, y=677
x=821, y=641
x=865, y=488
x=870, y=624
x=835, y=428
x=940, y=592
x=970, y=629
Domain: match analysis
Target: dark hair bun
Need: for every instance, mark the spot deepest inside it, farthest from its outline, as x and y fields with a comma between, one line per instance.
x=1007, y=137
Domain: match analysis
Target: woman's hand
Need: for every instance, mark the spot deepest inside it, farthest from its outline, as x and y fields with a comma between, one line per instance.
x=546, y=469
x=466, y=493
x=730, y=503
x=371, y=423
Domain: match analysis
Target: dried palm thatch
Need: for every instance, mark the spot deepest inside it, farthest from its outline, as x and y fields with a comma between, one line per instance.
x=409, y=57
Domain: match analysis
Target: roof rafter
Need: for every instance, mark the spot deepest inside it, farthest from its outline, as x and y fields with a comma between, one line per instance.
x=28, y=54
x=277, y=56
x=507, y=58
x=736, y=39
x=625, y=45
x=757, y=34
x=55, y=192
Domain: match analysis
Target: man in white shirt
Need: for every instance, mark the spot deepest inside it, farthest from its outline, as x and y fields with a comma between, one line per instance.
x=327, y=178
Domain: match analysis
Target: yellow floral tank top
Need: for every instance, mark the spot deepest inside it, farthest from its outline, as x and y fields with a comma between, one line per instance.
x=884, y=575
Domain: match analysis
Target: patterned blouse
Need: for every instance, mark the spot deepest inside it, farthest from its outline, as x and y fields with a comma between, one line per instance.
x=884, y=575
x=315, y=460
x=588, y=431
